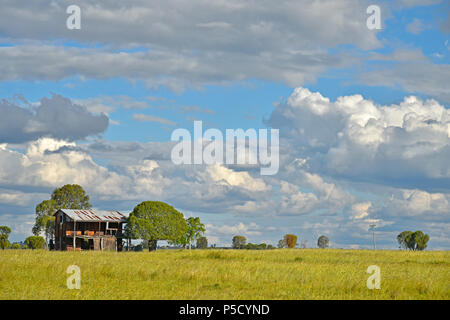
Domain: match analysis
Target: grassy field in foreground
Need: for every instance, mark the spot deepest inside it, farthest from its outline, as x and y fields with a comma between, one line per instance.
x=225, y=274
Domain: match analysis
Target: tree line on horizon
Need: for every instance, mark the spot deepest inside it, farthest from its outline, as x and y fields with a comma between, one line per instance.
x=151, y=221
x=288, y=241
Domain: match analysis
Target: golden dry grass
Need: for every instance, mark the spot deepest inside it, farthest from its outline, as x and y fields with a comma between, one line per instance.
x=225, y=274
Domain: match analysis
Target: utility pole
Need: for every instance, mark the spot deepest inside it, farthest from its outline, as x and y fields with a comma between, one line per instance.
x=372, y=227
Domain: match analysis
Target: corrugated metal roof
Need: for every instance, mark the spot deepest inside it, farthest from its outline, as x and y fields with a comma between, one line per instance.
x=94, y=215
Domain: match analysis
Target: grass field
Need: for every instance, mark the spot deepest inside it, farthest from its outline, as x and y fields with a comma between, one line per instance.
x=225, y=274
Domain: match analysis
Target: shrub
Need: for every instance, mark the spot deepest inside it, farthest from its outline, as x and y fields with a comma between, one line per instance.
x=254, y=246
x=35, y=242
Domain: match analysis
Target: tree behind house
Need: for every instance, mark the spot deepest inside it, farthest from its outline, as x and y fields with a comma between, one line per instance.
x=70, y=196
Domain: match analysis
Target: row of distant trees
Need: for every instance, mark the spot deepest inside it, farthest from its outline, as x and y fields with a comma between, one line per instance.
x=288, y=241
x=408, y=240
x=152, y=221
x=240, y=242
x=32, y=242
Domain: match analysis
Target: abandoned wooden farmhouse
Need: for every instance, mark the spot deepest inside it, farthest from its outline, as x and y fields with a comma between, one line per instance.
x=88, y=230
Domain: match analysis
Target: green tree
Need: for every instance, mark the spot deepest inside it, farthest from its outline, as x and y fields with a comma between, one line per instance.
x=155, y=220
x=323, y=242
x=70, y=196
x=45, y=221
x=420, y=240
x=239, y=242
x=202, y=243
x=416, y=241
x=16, y=246
x=410, y=243
x=290, y=240
x=195, y=229
x=404, y=238
x=35, y=242
x=282, y=244
x=4, y=235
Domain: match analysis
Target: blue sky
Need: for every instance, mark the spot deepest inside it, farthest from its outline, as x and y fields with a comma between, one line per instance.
x=117, y=88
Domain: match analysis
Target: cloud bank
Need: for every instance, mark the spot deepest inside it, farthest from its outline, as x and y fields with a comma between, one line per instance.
x=56, y=117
